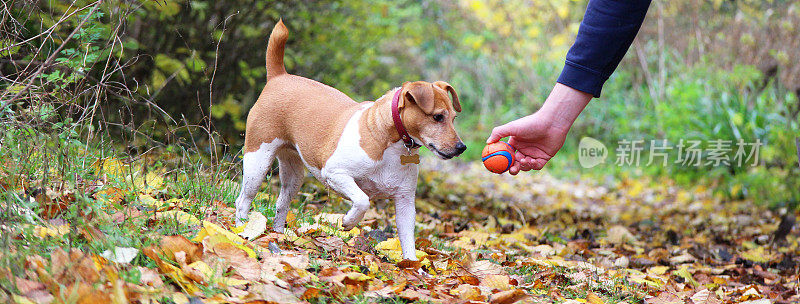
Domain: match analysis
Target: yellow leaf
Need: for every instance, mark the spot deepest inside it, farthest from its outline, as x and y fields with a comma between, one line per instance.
x=179, y=216
x=758, y=255
x=658, y=270
x=391, y=249
x=684, y=273
x=219, y=234
x=152, y=203
x=357, y=276
x=183, y=282
x=594, y=299
x=50, y=230
x=227, y=281
x=21, y=300
x=203, y=268
x=151, y=180
x=389, y=244
x=110, y=166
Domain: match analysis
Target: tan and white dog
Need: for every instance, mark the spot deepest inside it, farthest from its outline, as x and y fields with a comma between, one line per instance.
x=353, y=148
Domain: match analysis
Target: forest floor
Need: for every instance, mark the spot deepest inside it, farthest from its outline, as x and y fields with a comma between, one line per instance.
x=124, y=235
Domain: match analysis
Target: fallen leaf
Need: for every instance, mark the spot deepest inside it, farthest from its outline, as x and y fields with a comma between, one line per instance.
x=239, y=260
x=176, y=243
x=179, y=216
x=122, y=255
x=497, y=282
x=507, y=297
x=50, y=230
x=664, y=298
x=592, y=298
x=658, y=270
x=620, y=235
x=255, y=226
x=705, y=296
x=484, y=268
x=468, y=292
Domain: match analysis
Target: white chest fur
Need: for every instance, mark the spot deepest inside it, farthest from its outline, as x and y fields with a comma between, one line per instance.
x=385, y=178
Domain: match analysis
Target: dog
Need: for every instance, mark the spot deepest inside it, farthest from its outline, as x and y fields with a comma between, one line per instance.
x=359, y=150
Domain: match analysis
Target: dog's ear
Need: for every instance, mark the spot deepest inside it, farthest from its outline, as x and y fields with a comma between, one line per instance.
x=447, y=87
x=419, y=92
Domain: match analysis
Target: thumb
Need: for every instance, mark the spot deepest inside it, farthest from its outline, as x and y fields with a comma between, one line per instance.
x=499, y=132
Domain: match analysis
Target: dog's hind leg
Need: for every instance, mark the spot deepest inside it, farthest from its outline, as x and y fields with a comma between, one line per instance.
x=291, y=172
x=254, y=168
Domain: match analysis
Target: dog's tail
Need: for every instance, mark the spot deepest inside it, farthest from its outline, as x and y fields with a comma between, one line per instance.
x=277, y=41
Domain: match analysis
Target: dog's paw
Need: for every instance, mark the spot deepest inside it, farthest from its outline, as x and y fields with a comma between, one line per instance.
x=240, y=221
x=349, y=227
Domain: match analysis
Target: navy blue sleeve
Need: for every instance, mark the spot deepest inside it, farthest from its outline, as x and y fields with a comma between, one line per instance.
x=605, y=34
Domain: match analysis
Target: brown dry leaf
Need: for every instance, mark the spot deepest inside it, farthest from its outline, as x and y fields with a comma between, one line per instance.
x=468, y=292
x=384, y=292
x=58, y=261
x=705, y=296
x=484, y=268
x=27, y=286
x=592, y=298
x=409, y=264
x=149, y=277
x=52, y=203
x=177, y=243
x=664, y=298
x=87, y=270
x=273, y=293
x=340, y=278
x=471, y=280
x=508, y=296
x=331, y=244
x=682, y=259
x=239, y=260
x=658, y=254
x=497, y=282
x=310, y=293
x=90, y=295
x=620, y=235
x=413, y=295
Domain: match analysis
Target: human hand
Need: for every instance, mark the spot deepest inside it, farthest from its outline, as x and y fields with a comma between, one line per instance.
x=539, y=136
x=534, y=138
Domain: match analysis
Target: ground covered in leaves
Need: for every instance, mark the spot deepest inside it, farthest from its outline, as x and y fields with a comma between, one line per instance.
x=123, y=234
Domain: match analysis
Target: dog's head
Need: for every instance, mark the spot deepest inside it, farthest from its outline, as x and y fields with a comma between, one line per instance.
x=428, y=116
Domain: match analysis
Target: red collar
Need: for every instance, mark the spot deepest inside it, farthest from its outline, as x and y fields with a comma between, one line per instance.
x=398, y=123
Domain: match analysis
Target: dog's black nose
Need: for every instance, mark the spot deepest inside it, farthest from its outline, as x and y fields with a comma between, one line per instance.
x=460, y=147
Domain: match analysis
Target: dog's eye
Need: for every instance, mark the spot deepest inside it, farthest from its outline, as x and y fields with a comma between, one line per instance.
x=438, y=117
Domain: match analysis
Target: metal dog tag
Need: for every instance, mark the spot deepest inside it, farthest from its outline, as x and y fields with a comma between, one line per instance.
x=409, y=159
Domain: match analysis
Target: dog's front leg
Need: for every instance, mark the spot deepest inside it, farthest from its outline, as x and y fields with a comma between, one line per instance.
x=406, y=218
x=345, y=185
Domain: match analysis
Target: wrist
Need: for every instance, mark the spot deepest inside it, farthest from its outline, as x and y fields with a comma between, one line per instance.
x=563, y=106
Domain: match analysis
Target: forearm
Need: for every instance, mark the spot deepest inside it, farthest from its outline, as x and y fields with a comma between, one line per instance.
x=606, y=32
x=564, y=105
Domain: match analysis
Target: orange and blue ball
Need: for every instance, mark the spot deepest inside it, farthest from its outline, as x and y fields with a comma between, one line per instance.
x=498, y=157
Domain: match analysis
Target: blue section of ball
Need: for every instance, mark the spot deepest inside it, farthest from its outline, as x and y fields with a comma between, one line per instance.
x=503, y=153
